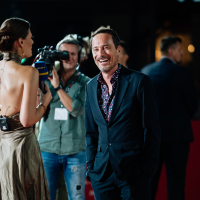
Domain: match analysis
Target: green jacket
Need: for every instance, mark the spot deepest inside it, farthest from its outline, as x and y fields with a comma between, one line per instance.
x=65, y=137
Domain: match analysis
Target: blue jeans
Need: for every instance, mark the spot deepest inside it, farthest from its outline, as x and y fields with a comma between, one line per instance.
x=73, y=167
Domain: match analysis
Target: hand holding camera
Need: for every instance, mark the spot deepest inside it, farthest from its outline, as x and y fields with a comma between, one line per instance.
x=55, y=78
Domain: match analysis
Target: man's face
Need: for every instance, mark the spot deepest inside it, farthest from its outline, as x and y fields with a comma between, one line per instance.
x=177, y=53
x=71, y=63
x=104, y=52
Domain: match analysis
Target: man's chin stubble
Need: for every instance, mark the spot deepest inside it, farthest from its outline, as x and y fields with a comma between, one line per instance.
x=105, y=69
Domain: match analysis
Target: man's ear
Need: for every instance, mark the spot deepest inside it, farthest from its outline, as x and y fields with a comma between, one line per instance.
x=170, y=51
x=126, y=57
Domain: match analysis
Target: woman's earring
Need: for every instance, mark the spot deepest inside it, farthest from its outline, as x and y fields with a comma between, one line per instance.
x=22, y=52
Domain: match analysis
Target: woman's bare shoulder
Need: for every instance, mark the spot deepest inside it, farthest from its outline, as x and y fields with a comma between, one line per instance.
x=27, y=72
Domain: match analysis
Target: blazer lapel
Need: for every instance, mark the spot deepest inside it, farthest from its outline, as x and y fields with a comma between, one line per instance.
x=121, y=89
x=94, y=101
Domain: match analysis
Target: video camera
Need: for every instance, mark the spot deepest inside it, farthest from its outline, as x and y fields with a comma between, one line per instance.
x=49, y=56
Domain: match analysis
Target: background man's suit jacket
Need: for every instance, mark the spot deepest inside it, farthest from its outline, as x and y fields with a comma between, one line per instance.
x=131, y=139
x=177, y=100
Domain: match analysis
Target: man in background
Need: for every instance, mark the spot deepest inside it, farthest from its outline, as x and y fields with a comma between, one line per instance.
x=177, y=102
x=124, y=56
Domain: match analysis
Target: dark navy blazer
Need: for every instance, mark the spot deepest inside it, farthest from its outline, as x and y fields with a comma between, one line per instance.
x=177, y=100
x=131, y=139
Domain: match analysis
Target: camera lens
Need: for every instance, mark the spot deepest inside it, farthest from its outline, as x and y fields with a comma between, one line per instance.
x=64, y=55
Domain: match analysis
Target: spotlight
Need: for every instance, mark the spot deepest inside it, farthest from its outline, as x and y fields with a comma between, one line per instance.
x=191, y=48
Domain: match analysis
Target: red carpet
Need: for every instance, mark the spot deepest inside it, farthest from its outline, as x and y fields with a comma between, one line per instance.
x=192, y=188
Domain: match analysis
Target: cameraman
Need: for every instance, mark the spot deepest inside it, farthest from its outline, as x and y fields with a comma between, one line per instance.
x=61, y=138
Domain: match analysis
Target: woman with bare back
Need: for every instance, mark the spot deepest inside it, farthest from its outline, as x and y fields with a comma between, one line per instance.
x=22, y=174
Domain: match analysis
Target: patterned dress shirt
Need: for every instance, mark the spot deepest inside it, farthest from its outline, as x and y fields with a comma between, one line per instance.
x=106, y=100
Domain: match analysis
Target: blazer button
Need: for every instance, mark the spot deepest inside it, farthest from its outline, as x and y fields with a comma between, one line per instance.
x=110, y=144
x=109, y=128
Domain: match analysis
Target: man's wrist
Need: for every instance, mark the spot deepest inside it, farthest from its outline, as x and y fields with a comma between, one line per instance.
x=58, y=88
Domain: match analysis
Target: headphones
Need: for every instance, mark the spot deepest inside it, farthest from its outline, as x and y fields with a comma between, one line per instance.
x=76, y=39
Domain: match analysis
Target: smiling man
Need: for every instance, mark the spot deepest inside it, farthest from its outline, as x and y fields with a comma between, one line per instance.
x=122, y=127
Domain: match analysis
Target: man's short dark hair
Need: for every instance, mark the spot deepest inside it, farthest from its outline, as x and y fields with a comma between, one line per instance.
x=167, y=42
x=108, y=30
x=124, y=45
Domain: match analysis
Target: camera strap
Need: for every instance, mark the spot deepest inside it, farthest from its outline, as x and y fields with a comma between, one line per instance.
x=76, y=77
x=70, y=85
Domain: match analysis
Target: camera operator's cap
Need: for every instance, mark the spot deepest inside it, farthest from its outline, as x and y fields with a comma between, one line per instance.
x=42, y=68
x=72, y=38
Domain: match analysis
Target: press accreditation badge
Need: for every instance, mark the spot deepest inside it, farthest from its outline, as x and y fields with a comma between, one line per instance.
x=61, y=114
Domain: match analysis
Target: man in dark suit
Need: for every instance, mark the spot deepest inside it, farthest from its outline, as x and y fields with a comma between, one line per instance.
x=122, y=127
x=177, y=103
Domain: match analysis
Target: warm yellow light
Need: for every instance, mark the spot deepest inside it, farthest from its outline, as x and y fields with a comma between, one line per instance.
x=158, y=54
x=191, y=48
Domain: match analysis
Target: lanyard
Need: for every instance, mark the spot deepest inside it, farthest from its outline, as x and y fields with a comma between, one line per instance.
x=72, y=82
x=68, y=88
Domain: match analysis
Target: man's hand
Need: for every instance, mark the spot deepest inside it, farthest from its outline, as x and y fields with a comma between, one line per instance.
x=55, y=80
x=64, y=97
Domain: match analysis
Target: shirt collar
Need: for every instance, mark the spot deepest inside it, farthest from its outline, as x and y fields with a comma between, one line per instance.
x=168, y=58
x=114, y=78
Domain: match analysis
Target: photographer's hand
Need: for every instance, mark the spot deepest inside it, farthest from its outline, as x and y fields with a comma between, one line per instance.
x=64, y=97
x=55, y=79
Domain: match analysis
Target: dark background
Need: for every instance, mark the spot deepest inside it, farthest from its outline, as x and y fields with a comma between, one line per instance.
x=141, y=23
